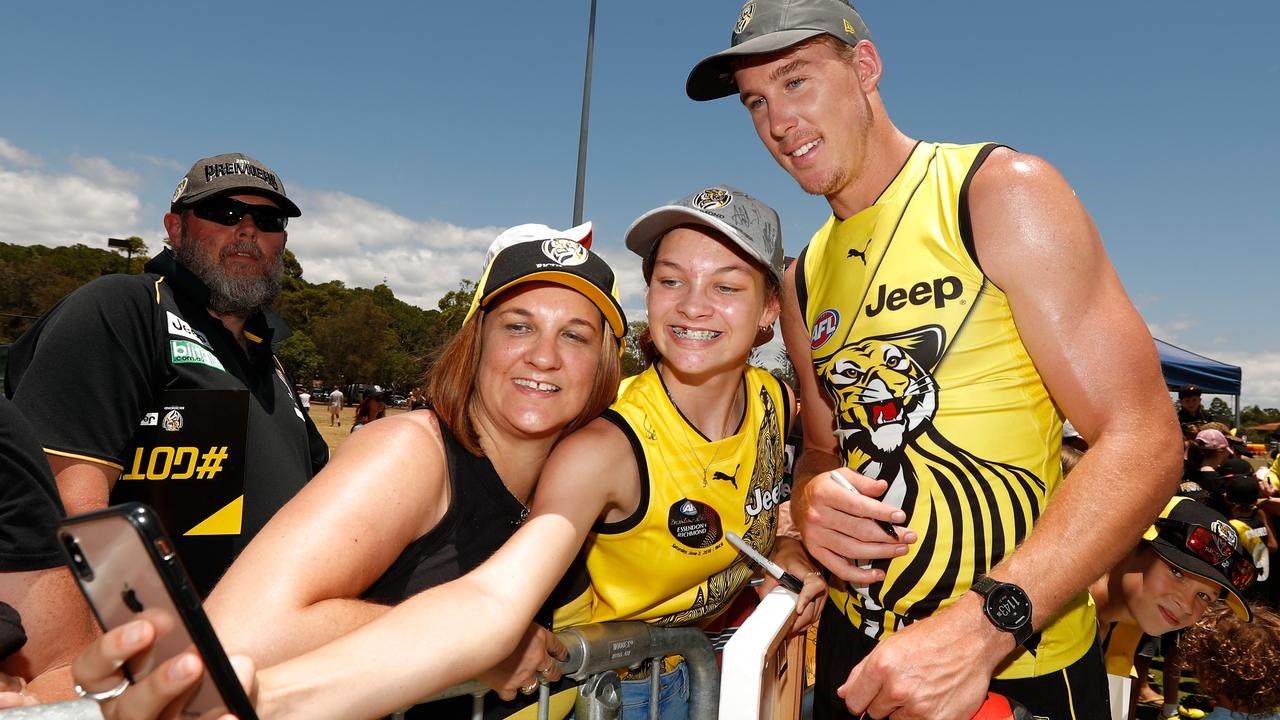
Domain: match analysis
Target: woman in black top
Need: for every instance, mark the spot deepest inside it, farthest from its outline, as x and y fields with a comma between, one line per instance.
x=537, y=357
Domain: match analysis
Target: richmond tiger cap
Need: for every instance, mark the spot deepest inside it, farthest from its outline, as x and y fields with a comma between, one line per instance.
x=552, y=257
x=766, y=26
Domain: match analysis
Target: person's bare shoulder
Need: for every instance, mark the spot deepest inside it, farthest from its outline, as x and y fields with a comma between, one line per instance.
x=599, y=444
x=1027, y=220
x=597, y=465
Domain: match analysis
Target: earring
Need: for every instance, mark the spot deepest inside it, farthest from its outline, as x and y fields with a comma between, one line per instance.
x=764, y=328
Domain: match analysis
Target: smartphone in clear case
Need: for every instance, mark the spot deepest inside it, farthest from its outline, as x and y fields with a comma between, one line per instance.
x=128, y=570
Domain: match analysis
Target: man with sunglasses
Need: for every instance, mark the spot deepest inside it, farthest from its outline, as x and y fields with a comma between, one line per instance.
x=178, y=399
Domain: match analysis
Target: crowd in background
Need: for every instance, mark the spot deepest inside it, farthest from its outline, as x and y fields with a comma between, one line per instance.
x=1233, y=656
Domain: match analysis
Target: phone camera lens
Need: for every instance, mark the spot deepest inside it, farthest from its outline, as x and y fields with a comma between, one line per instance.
x=78, y=562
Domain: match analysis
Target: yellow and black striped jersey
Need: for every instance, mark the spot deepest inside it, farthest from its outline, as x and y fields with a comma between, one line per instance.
x=935, y=394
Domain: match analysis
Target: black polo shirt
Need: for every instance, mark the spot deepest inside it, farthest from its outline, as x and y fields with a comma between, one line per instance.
x=29, y=507
x=100, y=368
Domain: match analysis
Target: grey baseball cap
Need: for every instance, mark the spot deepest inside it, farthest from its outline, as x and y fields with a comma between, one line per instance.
x=227, y=174
x=766, y=26
x=749, y=223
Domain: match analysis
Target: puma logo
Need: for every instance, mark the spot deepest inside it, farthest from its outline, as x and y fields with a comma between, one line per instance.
x=733, y=479
x=860, y=255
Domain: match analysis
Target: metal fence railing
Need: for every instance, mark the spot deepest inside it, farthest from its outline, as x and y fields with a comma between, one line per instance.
x=597, y=651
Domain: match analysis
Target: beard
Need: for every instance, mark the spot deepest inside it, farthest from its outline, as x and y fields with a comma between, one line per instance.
x=239, y=295
x=840, y=177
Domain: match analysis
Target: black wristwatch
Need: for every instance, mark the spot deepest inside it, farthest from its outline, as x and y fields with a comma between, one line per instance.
x=1007, y=607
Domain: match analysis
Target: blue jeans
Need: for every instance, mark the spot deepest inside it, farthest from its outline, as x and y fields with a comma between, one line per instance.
x=673, y=696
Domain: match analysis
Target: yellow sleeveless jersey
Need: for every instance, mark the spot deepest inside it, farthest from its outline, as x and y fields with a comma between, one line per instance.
x=935, y=394
x=1253, y=537
x=1119, y=645
x=669, y=563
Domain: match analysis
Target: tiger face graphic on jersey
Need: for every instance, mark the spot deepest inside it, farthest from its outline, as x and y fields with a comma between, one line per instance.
x=886, y=400
x=882, y=388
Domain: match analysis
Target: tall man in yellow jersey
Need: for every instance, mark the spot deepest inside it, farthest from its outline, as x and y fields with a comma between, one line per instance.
x=954, y=308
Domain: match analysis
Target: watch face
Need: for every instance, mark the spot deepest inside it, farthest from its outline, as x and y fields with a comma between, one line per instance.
x=1008, y=607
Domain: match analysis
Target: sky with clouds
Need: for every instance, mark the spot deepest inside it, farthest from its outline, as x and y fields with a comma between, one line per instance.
x=411, y=133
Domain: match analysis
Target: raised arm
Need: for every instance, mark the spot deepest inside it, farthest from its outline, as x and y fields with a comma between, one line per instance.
x=1036, y=243
x=297, y=585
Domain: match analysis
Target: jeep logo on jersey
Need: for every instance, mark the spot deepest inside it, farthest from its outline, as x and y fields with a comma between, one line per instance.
x=712, y=199
x=564, y=251
x=937, y=291
x=694, y=524
x=180, y=327
x=764, y=500
x=824, y=328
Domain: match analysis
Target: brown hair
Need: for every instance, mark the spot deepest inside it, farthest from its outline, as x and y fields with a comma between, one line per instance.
x=452, y=382
x=1070, y=458
x=364, y=411
x=1235, y=661
x=842, y=49
x=772, y=288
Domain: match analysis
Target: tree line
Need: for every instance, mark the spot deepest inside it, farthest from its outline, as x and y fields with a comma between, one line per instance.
x=341, y=335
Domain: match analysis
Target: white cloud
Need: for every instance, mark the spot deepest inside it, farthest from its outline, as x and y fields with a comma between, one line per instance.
x=102, y=170
x=630, y=279
x=166, y=164
x=340, y=236
x=1260, y=376
x=64, y=209
x=1170, y=331
x=13, y=155
x=361, y=243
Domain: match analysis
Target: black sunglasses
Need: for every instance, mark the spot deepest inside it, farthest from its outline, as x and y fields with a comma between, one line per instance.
x=1207, y=545
x=229, y=211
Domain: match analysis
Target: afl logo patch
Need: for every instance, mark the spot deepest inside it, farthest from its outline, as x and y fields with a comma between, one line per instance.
x=712, y=199
x=564, y=251
x=694, y=524
x=177, y=193
x=824, y=328
x=744, y=18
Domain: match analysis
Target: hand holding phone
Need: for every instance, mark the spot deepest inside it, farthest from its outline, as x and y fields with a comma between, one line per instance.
x=133, y=580
x=97, y=669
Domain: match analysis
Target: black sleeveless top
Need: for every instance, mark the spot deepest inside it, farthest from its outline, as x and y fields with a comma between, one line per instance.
x=482, y=515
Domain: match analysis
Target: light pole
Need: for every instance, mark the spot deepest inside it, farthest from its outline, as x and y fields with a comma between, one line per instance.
x=127, y=247
x=586, y=113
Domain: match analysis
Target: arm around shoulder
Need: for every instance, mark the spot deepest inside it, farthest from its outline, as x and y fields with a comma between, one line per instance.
x=473, y=622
